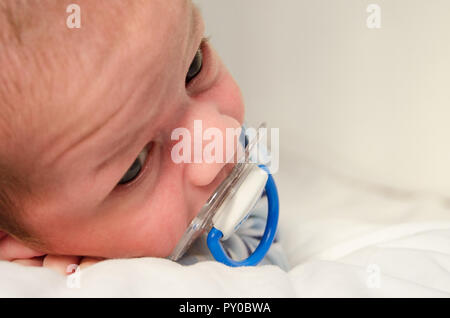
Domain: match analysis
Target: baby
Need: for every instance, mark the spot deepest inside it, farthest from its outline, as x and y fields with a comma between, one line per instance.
x=86, y=116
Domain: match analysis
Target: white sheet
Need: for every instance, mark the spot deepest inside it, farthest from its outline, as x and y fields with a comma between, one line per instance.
x=343, y=239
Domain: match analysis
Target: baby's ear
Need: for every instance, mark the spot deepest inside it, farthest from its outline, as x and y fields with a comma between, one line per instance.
x=11, y=249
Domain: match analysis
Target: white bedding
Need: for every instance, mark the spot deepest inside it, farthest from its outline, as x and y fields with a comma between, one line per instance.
x=342, y=238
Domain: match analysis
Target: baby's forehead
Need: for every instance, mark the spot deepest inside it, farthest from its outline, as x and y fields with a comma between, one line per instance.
x=103, y=23
x=69, y=73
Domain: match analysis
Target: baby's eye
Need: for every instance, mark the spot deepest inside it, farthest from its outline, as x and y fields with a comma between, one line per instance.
x=136, y=167
x=196, y=66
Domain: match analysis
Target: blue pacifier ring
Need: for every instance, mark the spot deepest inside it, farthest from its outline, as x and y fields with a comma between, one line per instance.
x=214, y=236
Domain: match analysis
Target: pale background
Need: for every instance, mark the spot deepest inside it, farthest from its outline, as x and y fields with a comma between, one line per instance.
x=371, y=104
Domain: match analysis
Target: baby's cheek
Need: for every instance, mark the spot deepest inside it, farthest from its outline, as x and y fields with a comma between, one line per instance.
x=163, y=221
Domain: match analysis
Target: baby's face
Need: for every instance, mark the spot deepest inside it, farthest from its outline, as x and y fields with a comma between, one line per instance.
x=107, y=91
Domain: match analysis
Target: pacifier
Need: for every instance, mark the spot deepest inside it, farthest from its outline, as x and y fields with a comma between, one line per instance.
x=230, y=205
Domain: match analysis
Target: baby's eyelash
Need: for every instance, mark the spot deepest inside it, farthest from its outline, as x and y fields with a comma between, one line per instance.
x=205, y=61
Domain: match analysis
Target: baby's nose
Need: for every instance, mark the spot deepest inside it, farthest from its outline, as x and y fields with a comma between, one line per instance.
x=215, y=138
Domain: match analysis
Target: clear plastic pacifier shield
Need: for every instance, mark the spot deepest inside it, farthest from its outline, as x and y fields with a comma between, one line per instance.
x=224, y=193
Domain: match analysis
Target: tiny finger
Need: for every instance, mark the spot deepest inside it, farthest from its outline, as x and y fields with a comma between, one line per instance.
x=63, y=264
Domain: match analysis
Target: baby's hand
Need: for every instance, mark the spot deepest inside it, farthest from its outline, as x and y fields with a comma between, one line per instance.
x=62, y=263
x=14, y=251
